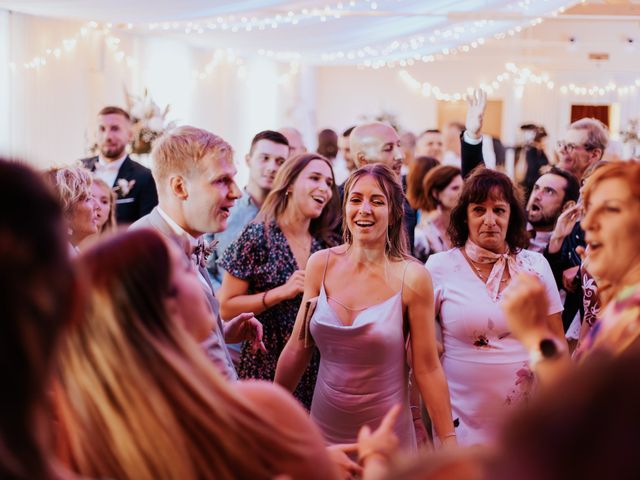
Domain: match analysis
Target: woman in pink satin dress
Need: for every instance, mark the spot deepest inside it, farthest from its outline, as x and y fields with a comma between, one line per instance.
x=371, y=299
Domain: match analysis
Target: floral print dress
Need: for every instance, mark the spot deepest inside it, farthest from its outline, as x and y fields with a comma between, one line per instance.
x=262, y=257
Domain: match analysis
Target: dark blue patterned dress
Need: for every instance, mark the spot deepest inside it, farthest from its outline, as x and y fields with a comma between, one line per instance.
x=261, y=256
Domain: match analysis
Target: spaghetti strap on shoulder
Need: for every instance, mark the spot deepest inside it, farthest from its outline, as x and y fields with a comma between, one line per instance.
x=326, y=264
x=404, y=273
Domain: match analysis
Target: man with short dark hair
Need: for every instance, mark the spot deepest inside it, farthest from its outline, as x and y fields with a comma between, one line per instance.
x=555, y=191
x=268, y=151
x=430, y=144
x=132, y=182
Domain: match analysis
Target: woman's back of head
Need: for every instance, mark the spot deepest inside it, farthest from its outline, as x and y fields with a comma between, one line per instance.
x=37, y=302
x=137, y=398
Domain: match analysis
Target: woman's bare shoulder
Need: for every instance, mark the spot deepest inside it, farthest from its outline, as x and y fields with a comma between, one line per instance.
x=417, y=278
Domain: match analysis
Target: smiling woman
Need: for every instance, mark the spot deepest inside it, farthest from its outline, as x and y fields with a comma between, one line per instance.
x=612, y=224
x=372, y=299
x=265, y=267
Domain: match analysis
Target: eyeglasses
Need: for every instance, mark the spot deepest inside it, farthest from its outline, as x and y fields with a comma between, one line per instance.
x=563, y=146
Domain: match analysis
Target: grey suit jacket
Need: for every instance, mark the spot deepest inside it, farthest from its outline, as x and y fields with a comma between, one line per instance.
x=214, y=345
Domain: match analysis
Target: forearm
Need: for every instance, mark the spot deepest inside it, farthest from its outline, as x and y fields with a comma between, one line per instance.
x=375, y=466
x=256, y=303
x=435, y=392
x=292, y=363
x=471, y=156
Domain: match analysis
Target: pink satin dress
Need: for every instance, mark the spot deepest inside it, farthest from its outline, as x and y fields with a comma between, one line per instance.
x=363, y=371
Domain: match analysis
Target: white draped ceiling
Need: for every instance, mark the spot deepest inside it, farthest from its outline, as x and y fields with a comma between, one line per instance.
x=369, y=32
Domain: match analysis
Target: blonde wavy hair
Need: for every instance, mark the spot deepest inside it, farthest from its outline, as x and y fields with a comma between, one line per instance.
x=136, y=397
x=71, y=184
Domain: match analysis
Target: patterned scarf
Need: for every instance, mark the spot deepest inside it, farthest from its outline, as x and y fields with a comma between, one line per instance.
x=499, y=260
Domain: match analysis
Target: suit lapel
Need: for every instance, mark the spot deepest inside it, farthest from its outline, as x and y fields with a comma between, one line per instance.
x=126, y=170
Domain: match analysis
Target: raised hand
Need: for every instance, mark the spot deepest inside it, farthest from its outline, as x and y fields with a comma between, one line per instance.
x=476, y=106
x=382, y=442
x=564, y=225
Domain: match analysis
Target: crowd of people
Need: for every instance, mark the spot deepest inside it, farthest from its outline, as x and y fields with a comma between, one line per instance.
x=376, y=309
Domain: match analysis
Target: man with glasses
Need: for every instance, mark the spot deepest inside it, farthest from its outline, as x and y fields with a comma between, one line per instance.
x=583, y=145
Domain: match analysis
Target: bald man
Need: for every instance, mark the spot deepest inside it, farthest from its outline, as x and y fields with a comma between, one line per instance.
x=294, y=137
x=376, y=143
x=379, y=143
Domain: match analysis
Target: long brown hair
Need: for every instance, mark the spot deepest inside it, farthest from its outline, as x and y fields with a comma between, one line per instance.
x=417, y=172
x=435, y=182
x=397, y=244
x=39, y=296
x=276, y=202
x=137, y=397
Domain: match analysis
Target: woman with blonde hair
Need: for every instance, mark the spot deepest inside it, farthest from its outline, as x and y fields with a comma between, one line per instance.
x=137, y=398
x=265, y=266
x=106, y=199
x=73, y=188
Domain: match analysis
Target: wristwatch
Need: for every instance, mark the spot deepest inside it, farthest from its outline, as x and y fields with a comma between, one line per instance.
x=547, y=350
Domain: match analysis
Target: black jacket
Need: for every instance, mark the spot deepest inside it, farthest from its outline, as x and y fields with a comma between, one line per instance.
x=142, y=197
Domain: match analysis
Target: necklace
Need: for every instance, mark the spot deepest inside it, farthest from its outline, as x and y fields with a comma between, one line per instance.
x=483, y=277
x=301, y=248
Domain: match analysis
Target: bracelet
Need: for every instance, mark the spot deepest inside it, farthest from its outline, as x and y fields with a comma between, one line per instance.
x=264, y=299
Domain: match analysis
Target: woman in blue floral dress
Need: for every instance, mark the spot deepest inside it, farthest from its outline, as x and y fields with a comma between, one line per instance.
x=264, y=267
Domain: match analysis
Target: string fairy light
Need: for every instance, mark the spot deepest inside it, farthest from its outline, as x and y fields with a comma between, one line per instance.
x=258, y=22
x=426, y=48
x=69, y=44
x=412, y=50
x=219, y=57
x=520, y=77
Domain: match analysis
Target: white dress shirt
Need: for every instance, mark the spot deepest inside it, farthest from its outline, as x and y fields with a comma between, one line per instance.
x=108, y=171
x=193, y=242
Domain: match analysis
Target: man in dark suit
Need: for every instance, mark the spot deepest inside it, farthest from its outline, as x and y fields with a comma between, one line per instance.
x=132, y=182
x=195, y=173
